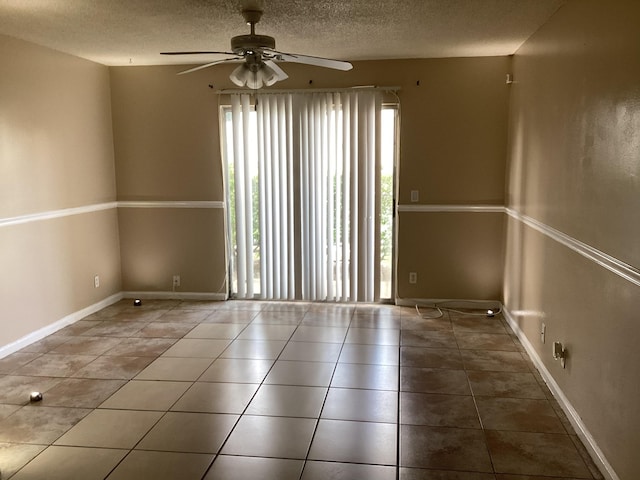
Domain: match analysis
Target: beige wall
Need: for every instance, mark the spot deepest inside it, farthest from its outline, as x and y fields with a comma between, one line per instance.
x=575, y=167
x=56, y=152
x=159, y=243
x=454, y=126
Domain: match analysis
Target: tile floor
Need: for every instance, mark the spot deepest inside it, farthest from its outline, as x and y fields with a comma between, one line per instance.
x=282, y=391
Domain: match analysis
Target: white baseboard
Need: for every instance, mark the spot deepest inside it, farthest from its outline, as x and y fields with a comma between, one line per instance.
x=581, y=430
x=176, y=296
x=55, y=326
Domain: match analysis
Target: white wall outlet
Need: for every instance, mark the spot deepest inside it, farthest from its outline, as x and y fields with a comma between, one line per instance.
x=96, y=281
x=543, y=332
x=413, y=277
x=176, y=280
x=560, y=353
x=415, y=195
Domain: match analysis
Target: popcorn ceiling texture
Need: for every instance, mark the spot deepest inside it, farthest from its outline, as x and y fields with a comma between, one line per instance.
x=120, y=32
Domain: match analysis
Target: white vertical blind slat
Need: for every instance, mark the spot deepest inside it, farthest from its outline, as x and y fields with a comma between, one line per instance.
x=238, y=165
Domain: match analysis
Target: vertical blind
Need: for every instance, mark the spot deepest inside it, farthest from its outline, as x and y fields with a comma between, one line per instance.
x=314, y=159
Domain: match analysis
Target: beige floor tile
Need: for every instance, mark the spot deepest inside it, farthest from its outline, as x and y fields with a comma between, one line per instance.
x=244, y=305
x=78, y=328
x=372, y=321
x=306, y=333
x=486, y=341
x=273, y=317
x=535, y=454
x=141, y=347
x=438, y=410
x=39, y=425
x=371, y=377
x=243, y=468
x=286, y=372
x=130, y=314
x=431, y=358
x=14, y=456
x=216, y=398
x=65, y=463
x=146, y=395
x=428, y=339
x=285, y=306
x=183, y=316
x=347, y=471
x=199, y=305
x=46, y=344
x=16, y=360
x=518, y=414
x=361, y=405
x=197, y=348
x=15, y=389
x=586, y=457
x=55, y=365
x=413, y=322
x=267, y=332
x=373, y=336
x=110, y=429
x=80, y=392
x=165, y=330
x=376, y=309
x=434, y=380
x=354, y=442
x=115, y=329
x=231, y=316
x=311, y=352
x=139, y=465
x=6, y=410
x=423, y=474
x=478, y=324
x=216, y=330
x=241, y=370
x=189, y=432
x=279, y=437
x=115, y=368
x=370, y=354
x=495, y=361
x=316, y=319
x=254, y=349
x=176, y=369
x=288, y=401
x=444, y=448
x=505, y=384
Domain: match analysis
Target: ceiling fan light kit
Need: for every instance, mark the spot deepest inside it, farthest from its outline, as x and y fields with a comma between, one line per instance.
x=254, y=78
x=258, y=52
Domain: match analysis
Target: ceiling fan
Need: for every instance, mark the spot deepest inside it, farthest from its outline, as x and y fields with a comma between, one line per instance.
x=259, y=57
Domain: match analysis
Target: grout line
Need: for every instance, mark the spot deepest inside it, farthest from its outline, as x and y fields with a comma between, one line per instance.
x=335, y=367
x=241, y=415
x=399, y=387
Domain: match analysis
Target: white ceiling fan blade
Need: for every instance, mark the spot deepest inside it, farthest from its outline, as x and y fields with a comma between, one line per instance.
x=197, y=53
x=309, y=60
x=281, y=74
x=207, y=65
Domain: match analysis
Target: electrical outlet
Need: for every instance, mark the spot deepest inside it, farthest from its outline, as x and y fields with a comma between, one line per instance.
x=96, y=281
x=413, y=277
x=560, y=353
x=176, y=280
x=543, y=331
x=415, y=195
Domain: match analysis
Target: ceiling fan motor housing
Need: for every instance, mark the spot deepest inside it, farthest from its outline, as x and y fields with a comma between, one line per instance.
x=244, y=43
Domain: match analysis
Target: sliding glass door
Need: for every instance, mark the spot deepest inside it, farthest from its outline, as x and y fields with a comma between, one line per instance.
x=310, y=182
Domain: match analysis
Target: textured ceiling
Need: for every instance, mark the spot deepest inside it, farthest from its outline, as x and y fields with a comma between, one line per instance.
x=121, y=32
